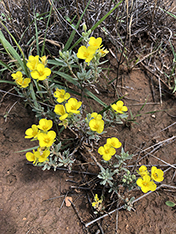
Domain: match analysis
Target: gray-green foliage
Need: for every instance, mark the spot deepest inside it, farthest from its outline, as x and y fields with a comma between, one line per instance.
x=106, y=175
x=109, y=175
x=58, y=158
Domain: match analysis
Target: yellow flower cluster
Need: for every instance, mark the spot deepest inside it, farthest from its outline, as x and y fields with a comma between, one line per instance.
x=96, y=123
x=22, y=82
x=37, y=67
x=88, y=53
x=119, y=107
x=96, y=202
x=108, y=150
x=45, y=137
x=146, y=181
x=71, y=107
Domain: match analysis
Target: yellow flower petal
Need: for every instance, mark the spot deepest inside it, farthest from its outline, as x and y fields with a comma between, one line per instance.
x=30, y=157
x=106, y=151
x=60, y=110
x=17, y=75
x=96, y=116
x=32, y=132
x=32, y=62
x=86, y=53
x=95, y=42
x=118, y=107
x=96, y=125
x=114, y=142
x=25, y=82
x=146, y=184
x=143, y=171
x=41, y=72
x=157, y=174
x=73, y=105
x=45, y=124
x=61, y=95
x=46, y=139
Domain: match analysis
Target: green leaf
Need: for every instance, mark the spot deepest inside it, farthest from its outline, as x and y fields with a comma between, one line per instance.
x=12, y=52
x=7, y=82
x=57, y=62
x=170, y=203
x=172, y=15
x=90, y=94
x=6, y=66
x=67, y=45
x=67, y=77
x=29, y=149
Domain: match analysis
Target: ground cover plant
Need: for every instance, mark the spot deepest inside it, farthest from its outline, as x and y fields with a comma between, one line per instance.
x=61, y=87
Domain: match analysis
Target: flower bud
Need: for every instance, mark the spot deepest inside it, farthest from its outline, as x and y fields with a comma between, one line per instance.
x=60, y=53
x=84, y=27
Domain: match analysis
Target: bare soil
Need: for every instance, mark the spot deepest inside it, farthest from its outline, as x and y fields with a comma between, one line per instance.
x=31, y=200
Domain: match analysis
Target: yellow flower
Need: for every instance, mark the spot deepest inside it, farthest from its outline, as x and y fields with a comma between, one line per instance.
x=157, y=174
x=45, y=124
x=107, y=151
x=43, y=60
x=114, y=142
x=86, y=53
x=61, y=95
x=17, y=75
x=146, y=184
x=19, y=81
x=41, y=155
x=96, y=116
x=46, y=139
x=96, y=43
x=41, y=72
x=96, y=202
x=32, y=132
x=31, y=157
x=73, y=105
x=103, y=52
x=143, y=171
x=119, y=107
x=60, y=110
x=25, y=82
x=32, y=62
x=96, y=125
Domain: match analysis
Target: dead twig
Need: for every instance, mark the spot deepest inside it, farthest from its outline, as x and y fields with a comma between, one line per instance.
x=79, y=217
x=93, y=157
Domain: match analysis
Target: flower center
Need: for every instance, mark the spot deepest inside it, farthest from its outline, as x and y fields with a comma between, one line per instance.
x=86, y=54
x=145, y=183
x=96, y=126
x=47, y=140
x=155, y=175
x=44, y=127
x=106, y=151
x=41, y=73
x=73, y=107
